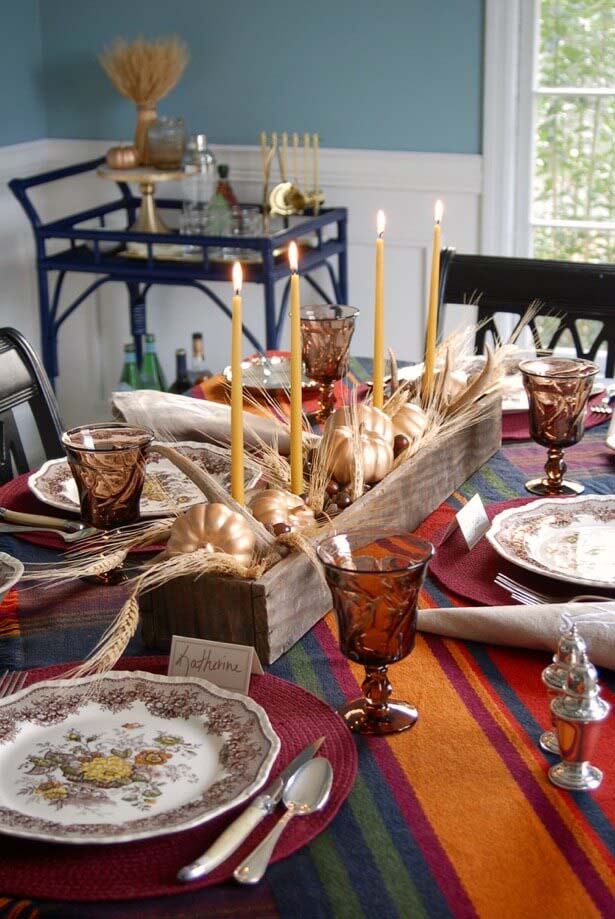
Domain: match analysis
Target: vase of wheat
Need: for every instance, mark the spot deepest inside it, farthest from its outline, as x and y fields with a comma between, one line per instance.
x=145, y=72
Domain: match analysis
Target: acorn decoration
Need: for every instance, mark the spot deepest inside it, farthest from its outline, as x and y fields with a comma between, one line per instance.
x=214, y=528
x=123, y=157
x=280, y=511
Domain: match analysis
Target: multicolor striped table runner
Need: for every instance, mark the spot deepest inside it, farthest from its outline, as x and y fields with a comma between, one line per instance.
x=454, y=818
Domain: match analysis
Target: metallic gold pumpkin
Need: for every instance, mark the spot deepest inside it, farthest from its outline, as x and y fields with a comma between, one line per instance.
x=376, y=452
x=271, y=506
x=122, y=157
x=213, y=527
x=411, y=421
x=367, y=418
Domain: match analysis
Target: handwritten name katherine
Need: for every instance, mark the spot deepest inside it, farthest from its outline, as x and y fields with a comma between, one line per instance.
x=207, y=663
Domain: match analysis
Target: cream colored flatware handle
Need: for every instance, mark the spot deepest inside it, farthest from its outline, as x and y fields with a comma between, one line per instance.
x=252, y=868
x=37, y=520
x=225, y=844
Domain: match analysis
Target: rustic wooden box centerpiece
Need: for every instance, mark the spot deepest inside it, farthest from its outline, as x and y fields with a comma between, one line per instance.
x=273, y=612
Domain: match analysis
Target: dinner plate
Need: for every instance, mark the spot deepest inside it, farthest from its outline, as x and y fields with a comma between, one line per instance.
x=569, y=539
x=11, y=570
x=166, y=489
x=268, y=374
x=127, y=756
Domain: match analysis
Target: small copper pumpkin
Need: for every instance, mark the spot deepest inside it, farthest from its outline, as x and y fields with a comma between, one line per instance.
x=122, y=157
x=411, y=421
x=376, y=454
x=366, y=417
x=213, y=527
x=272, y=506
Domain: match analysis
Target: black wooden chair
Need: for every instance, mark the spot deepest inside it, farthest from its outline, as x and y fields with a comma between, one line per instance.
x=24, y=381
x=577, y=300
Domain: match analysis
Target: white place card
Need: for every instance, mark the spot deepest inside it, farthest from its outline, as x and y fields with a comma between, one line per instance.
x=222, y=663
x=472, y=520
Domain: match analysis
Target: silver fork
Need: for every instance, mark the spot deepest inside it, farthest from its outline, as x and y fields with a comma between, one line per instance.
x=78, y=536
x=604, y=408
x=12, y=681
x=529, y=597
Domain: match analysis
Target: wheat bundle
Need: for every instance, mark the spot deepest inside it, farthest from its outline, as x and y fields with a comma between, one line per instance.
x=145, y=71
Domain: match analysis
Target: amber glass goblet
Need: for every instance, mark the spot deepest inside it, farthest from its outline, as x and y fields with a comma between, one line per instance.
x=326, y=331
x=375, y=577
x=557, y=390
x=108, y=464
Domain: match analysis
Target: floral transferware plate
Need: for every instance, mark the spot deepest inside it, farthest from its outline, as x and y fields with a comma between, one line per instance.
x=11, y=570
x=166, y=489
x=127, y=756
x=267, y=373
x=569, y=539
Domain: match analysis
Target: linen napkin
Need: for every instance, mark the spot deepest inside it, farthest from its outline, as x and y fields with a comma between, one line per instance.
x=174, y=417
x=528, y=626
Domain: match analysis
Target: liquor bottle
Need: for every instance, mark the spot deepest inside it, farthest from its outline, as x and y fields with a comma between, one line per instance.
x=151, y=373
x=182, y=381
x=129, y=380
x=224, y=187
x=198, y=367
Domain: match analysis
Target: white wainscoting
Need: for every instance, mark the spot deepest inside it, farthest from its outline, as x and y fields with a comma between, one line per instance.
x=405, y=185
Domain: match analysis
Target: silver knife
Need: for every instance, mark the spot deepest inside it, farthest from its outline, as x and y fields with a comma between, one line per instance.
x=240, y=829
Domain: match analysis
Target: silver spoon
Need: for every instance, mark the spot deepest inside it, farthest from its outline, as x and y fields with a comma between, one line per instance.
x=307, y=791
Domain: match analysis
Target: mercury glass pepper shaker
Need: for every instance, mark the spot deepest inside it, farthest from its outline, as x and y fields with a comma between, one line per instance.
x=578, y=714
x=570, y=647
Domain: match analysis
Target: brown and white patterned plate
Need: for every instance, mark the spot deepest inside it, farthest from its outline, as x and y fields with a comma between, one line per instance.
x=11, y=570
x=569, y=539
x=166, y=490
x=127, y=756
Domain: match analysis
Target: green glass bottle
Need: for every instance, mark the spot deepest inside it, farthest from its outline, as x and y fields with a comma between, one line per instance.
x=129, y=380
x=151, y=372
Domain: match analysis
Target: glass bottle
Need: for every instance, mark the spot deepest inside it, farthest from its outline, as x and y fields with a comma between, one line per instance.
x=151, y=372
x=182, y=382
x=224, y=187
x=199, y=183
x=198, y=367
x=129, y=380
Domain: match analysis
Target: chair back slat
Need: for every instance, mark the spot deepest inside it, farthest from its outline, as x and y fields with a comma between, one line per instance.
x=24, y=381
x=568, y=292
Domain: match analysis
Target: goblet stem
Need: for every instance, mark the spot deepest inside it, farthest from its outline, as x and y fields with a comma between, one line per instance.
x=555, y=469
x=326, y=401
x=377, y=691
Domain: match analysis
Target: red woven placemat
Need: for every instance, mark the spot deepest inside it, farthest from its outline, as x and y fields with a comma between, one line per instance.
x=515, y=425
x=471, y=574
x=16, y=496
x=148, y=868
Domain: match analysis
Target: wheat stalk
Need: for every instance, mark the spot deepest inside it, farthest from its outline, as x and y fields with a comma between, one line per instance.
x=145, y=71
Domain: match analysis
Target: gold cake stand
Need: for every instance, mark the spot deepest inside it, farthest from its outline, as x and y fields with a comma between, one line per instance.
x=148, y=219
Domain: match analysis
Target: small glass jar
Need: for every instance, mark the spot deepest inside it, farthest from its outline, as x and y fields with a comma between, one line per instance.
x=166, y=142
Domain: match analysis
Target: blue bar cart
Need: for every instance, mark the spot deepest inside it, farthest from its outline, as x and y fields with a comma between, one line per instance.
x=105, y=252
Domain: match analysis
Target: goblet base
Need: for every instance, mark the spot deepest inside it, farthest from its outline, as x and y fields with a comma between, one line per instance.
x=576, y=776
x=546, y=490
x=360, y=717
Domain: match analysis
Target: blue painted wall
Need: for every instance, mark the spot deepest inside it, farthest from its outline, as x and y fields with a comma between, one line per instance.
x=398, y=74
x=22, y=109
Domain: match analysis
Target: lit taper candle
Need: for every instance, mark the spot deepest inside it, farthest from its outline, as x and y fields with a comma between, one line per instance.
x=432, y=316
x=296, y=361
x=378, y=369
x=237, y=483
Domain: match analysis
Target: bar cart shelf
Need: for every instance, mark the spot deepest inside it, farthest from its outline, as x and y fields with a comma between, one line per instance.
x=110, y=255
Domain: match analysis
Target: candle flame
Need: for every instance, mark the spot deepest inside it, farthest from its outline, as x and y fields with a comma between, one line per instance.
x=438, y=211
x=293, y=257
x=380, y=223
x=237, y=277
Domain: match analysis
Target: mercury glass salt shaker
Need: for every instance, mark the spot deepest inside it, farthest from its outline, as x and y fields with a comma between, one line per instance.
x=570, y=647
x=578, y=714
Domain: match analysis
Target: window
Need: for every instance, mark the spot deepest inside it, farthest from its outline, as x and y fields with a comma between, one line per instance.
x=572, y=213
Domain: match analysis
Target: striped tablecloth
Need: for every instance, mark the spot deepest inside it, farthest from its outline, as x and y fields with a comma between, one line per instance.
x=454, y=818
